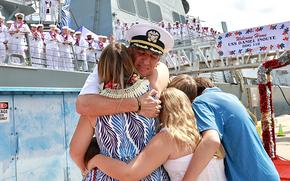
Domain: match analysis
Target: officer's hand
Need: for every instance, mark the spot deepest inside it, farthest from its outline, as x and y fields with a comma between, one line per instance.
x=150, y=106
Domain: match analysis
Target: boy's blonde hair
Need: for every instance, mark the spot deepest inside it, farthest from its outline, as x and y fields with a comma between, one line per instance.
x=115, y=65
x=178, y=118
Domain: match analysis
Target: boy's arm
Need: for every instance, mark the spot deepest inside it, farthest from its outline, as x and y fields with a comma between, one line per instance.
x=204, y=152
x=153, y=156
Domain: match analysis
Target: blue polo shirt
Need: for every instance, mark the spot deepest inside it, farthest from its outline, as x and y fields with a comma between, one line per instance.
x=246, y=159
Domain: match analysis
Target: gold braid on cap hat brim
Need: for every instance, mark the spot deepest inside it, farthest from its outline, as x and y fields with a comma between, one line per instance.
x=148, y=43
x=139, y=88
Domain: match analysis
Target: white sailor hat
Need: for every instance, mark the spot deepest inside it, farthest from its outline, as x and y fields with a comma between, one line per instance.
x=65, y=27
x=33, y=25
x=78, y=33
x=71, y=30
x=19, y=15
x=2, y=17
x=89, y=34
x=52, y=26
x=9, y=22
x=40, y=25
x=150, y=37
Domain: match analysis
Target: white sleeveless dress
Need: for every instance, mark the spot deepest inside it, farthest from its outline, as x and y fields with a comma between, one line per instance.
x=214, y=171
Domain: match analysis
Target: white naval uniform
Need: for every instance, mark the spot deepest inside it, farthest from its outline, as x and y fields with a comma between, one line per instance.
x=3, y=38
x=42, y=9
x=118, y=31
x=126, y=28
x=66, y=53
x=54, y=10
x=80, y=47
x=52, y=50
x=177, y=33
x=36, y=49
x=17, y=40
x=91, y=50
x=169, y=29
x=99, y=48
x=184, y=32
x=42, y=48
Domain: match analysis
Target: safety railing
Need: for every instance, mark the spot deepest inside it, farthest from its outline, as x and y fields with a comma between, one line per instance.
x=43, y=53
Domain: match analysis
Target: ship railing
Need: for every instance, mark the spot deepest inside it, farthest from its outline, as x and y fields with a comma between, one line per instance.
x=59, y=56
x=189, y=52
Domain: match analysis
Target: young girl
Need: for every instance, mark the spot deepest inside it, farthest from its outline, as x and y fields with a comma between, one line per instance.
x=173, y=146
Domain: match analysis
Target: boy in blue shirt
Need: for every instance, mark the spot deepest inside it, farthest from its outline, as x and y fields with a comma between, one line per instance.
x=222, y=119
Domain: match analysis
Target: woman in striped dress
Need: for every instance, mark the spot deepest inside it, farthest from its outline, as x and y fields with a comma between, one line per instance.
x=122, y=136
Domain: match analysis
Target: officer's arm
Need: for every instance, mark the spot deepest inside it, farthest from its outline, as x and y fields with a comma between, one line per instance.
x=96, y=105
x=93, y=104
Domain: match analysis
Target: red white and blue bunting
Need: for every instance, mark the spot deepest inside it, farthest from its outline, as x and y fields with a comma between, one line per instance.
x=266, y=102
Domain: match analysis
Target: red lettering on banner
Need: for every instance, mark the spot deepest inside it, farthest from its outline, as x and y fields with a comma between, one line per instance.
x=3, y=105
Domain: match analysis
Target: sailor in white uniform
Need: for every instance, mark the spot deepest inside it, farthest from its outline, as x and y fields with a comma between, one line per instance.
x=177, y=31
x=125, y=29
x=118, y=30
x=9, y=24
x=80, y=46
x=35, y=45
x=100, y=45
x=54, y=10
x=42, y=9
x=52, y=41
x=91, y=49
x=72, y=32
x=184, y=31
x=66, y=50
x=3, y=39
x=169, y=28
x=42, y=46
x=18, y=40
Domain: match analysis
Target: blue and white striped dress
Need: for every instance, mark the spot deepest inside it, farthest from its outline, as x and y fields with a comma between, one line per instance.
x=123, y=136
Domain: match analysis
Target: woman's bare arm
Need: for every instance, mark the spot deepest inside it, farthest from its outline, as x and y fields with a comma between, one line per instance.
x=80, y=141
x=204, y=152
x=152, y=157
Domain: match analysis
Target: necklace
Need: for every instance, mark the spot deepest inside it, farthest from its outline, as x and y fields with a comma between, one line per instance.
x=137, y=89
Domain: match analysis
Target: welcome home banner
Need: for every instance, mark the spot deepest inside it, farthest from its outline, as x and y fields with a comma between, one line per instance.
x=254, y=40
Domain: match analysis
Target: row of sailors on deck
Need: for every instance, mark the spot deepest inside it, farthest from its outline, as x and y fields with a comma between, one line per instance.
x=179, y=31
x=51, y=49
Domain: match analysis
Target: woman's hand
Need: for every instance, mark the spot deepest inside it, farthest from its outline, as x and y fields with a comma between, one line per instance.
x=91, y=163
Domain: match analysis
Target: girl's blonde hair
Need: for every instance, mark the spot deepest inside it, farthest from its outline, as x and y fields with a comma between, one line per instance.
x=115, y=65
x=178, y=118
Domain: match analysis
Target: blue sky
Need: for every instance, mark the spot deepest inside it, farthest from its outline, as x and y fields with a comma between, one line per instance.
x=240, y=14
